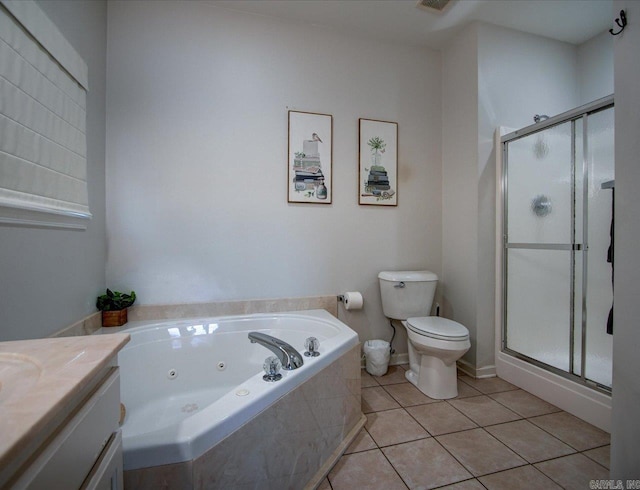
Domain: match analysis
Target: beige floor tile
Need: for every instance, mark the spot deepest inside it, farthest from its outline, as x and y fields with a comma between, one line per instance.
x=573, y=472
x=600, y=455
x=366, y=380
x=479, y=452
x=488, y=385
x=484, y=411
x=523, y=478
x=465, y=390
x=393, y=427
x=465, y=485
x=530, y=442
x=425, y=464
x=524, y=403
x=375, y=399
x=408, y=395
x=441, y=418
x=575, y=432
x=369, y=469
x=362, y=442
x=394, y=375
x=325, y=485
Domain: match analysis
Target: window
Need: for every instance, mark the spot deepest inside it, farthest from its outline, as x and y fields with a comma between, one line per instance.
x=43, y=149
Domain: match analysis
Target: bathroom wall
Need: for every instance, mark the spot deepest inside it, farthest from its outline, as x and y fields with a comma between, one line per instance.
x=625, y=434
x=521, y=75
x=493, y=76
x=50, y=278
x=505, y=69
x=459, y=284
x=595, y=68
x=197, y=159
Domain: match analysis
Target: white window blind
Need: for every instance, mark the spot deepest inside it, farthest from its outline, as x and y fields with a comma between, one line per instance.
x=43, y=149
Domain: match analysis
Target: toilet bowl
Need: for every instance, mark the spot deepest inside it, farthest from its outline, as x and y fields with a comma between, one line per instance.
x=434, y=343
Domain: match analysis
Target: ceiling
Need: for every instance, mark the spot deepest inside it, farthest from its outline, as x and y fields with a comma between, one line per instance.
x=572, y=21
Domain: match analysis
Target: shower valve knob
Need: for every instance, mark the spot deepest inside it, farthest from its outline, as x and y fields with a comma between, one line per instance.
x=272, y=366
x=312, y=345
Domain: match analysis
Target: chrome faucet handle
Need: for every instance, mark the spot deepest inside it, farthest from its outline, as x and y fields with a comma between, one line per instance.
x=272, y=366
x=312, y=345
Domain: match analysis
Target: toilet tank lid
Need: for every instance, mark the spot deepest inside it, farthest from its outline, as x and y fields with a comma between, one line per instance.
x=408, y=276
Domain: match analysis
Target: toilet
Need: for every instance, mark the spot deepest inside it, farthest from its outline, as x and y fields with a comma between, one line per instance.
x=435, y=343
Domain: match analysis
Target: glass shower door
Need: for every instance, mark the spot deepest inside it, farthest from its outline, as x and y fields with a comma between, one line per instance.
x=557, y=262
x=539, y=246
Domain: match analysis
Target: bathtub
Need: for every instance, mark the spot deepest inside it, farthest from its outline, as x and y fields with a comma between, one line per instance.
x=189, y=385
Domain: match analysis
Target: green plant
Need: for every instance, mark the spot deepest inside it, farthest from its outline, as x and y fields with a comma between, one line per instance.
x=377, y=144
x=114, y=300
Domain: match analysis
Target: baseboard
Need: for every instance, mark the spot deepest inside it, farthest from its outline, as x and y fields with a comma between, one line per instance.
x=399, y=359
x=396, y=359
x=470, y=370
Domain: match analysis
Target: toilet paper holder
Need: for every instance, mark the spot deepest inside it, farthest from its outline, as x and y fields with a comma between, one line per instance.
x=352, y=300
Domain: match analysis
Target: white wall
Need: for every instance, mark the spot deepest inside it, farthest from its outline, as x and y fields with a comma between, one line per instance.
x=521, y=75
x=492, y=77
x=595, y=67
x=197, y=166
x=50, y=278
x=459, y=282
x=625, y=434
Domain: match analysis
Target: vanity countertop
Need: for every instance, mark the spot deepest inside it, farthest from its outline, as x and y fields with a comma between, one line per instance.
x=40, y=378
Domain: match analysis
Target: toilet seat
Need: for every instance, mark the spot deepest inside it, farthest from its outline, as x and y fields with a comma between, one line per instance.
x=438, y=328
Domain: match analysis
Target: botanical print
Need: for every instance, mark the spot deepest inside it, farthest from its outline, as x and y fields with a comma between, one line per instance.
x=310, y=157
x=378, y=162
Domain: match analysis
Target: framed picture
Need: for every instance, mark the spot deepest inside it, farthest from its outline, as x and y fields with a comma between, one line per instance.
x=378, y=163
x=310, y=157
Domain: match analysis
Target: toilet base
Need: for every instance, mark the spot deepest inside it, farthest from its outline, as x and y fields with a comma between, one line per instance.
x=434, y=378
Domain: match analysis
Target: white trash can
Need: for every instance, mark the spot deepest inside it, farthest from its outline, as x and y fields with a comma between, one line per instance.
x=377, y=354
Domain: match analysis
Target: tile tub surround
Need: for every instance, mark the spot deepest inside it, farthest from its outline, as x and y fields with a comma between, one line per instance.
x=57, y=373
x=492, y=436
x=283, y=447
x=229, y=308
x=93, y=322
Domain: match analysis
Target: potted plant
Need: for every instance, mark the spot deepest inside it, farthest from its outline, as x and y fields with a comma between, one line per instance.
x=114, y=306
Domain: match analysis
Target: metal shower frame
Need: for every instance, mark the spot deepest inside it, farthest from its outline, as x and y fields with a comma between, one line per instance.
x=578, y=114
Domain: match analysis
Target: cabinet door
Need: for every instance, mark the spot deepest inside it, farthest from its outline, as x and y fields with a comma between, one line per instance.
x=67, y=460
x=107, y=472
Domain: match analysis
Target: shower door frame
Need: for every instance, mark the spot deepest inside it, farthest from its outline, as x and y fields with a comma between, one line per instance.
x=572, y=116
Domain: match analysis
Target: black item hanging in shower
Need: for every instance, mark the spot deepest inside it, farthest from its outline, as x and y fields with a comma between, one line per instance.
x=610, y=250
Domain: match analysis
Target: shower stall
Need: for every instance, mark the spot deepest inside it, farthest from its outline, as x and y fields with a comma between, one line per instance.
x=555, y=247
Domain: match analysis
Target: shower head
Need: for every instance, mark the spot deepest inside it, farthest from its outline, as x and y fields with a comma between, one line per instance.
x=540, y=117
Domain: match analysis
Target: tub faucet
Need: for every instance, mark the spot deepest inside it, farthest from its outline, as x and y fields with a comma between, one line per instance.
x=289, y=357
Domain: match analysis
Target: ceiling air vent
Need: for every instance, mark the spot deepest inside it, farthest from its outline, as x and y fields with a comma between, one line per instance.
x=434, y=5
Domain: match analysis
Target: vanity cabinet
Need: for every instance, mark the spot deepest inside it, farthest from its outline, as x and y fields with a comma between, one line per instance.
x=86, y=451
x=60, y=413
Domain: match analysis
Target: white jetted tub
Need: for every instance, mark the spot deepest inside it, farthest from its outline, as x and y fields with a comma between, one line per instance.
x=188, y=384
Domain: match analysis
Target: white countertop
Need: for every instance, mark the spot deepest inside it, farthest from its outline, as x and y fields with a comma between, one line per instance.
x=39, y=378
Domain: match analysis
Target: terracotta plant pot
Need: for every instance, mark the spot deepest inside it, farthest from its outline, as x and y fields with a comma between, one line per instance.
x=114, y=318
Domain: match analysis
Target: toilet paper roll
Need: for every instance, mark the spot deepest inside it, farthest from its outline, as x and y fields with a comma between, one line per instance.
x=353, y=300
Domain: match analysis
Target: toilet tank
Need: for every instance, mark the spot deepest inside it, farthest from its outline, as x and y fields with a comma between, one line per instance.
x=407, y=294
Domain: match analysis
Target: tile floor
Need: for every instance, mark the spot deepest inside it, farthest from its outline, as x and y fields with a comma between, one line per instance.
x=493, y=436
